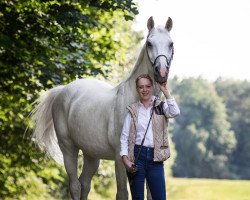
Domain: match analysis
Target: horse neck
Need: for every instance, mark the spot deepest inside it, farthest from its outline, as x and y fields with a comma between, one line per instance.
x=142, y=66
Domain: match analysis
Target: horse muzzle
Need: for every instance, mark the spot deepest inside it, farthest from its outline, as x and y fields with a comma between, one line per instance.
x=161, y=68
x=161, y=79
x=161, y=74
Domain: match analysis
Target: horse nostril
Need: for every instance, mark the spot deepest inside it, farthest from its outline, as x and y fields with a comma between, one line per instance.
x=157, y=69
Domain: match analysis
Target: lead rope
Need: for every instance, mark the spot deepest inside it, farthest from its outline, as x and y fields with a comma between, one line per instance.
x=139, y=152
x=137, y=157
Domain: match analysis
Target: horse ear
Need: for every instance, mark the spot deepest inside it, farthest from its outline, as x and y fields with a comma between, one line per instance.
x=150, y=23
x=169, y=24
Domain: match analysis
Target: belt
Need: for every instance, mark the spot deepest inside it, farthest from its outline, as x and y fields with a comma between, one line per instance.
x=144, y=147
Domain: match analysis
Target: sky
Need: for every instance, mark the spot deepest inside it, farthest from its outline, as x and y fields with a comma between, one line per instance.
x=211, y=37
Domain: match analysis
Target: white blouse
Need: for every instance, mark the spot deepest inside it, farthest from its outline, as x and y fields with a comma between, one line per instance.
x=170, y=109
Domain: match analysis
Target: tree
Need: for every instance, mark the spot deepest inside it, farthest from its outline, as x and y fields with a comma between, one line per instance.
x=202, y=134
x=236, y=95
x=43, y=44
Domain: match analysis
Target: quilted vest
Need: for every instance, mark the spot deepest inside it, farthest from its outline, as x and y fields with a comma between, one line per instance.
x=159, y=128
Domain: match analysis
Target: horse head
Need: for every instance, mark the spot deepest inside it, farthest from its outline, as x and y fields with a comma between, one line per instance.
x=160, y=49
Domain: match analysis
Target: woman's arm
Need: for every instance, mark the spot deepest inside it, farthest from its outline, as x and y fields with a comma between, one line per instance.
x=170, y=107
x=124, y=144
x=124, y=135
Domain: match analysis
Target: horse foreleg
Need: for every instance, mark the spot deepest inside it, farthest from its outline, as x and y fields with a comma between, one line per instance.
x=70, y=155
x=121, y=180
x=89, y=168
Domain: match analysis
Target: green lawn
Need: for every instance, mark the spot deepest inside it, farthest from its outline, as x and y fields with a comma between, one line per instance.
x=207, y=189
x=196, y=189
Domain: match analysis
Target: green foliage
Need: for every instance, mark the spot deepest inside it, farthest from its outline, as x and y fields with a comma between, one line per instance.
x=43, y=44
x=105, y=178
x=27, y=187
x=173, y=153
x=202, y=134
x=127, y=55
x=21, y=182
x=236, y=95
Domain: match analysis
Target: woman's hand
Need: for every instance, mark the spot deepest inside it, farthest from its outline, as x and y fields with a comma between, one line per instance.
x=130, y=166
x=165, y=90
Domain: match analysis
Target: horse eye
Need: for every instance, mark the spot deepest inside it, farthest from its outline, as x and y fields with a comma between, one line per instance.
x=149, y=44
x=171, y=45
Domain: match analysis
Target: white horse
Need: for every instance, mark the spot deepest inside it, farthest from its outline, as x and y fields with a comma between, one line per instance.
x=88, y=115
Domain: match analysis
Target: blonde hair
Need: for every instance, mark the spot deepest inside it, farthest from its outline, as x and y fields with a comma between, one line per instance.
x=143, y=76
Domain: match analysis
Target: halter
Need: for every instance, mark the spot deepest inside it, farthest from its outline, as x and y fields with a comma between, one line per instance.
x=168, y=60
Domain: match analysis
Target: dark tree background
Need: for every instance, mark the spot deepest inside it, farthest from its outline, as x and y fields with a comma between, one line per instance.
x=236, y=96
x=203, y=138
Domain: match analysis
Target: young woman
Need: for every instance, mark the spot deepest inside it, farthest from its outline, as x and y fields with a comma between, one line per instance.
x=147, y=120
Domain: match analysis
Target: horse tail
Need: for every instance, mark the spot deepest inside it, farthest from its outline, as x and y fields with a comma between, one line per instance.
x=44, y=134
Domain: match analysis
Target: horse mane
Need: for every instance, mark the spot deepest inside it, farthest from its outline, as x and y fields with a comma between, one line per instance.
x=137, y=64
x=139, y=60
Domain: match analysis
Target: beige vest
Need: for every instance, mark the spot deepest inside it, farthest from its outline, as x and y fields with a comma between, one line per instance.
x=159, y=128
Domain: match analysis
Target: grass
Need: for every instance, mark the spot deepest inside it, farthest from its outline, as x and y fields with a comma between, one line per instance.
x=196, y=189
x=207, y=189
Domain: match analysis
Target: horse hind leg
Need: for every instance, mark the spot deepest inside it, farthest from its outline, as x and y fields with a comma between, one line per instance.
x=89, y=169
x=70, y=155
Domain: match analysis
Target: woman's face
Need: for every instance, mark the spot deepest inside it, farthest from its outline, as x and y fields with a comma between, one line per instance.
x=144, y=89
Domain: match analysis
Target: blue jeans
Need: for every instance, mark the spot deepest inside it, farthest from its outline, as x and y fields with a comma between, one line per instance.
x=152, y=171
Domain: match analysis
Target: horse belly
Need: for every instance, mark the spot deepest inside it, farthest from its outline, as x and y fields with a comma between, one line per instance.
x=89, y=126
x=93, y=143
